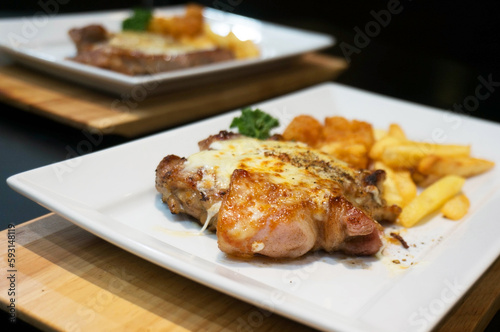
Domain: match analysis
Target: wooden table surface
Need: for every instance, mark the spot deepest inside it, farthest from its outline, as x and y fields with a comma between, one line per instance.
x=80, y=107
x=67, y=279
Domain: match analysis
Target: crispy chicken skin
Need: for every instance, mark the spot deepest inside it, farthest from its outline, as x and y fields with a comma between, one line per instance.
x=277, y=199
x=179, y=190
x=276, y=220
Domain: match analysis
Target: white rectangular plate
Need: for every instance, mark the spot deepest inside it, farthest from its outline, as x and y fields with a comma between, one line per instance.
x=111, y=193
x=41, y=41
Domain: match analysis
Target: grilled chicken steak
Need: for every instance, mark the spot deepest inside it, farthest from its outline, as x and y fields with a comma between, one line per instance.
x=275, y=198
x=139, y=53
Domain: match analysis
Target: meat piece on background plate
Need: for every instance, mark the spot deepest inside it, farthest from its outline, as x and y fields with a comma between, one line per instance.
x=139, y=53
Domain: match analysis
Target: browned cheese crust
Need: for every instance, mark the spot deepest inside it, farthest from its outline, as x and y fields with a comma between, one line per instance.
x=262, y=214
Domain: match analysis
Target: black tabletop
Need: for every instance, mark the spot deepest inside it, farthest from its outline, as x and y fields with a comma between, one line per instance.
x=441, y=54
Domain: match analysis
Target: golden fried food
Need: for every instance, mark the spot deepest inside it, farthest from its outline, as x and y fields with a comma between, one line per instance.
x=189, y=25
x=406, y=187
x=306, y=129
x=339, y=129
x=191, y=29
x=438, y=169
x=391, y=192
x=355, y=154
x=241, y=48
x=431, y=199
x=456, y=208
x=395, y=130
x=409, y=154
x=462, y=166
x=380, y=145
x=347, y=140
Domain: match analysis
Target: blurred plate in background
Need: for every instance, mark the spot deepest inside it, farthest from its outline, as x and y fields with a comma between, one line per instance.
x=43, y=43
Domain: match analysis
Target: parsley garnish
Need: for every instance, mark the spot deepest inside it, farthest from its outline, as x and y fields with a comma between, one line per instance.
x=139, y=21
x=254, y=123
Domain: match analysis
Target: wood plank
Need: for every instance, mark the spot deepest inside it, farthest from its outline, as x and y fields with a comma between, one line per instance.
x=68, y=279
x=476, y=309
x=84, y=108
x=71, y=280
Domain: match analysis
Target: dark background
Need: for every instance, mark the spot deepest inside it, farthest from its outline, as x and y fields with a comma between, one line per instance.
x=431, y=52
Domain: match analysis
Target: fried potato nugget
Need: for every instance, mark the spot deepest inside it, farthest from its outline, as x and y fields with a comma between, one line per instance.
x=355, y=137
x=339, y=129
x=462, y=166
x=456, y=208
x=189, y=25
x=346, y=140
x=306, y=129
x=431, y=199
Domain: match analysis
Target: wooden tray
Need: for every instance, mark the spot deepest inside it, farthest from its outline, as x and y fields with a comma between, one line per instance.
x=70, y=280
x=84, y=108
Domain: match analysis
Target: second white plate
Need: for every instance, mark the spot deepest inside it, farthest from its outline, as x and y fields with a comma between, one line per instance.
x=42, y=42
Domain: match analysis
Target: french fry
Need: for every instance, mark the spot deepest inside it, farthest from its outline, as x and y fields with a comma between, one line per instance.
x=406, y=187
x=378, y=134
x=378, y=148
x=396, y=131
x=242, y=49
x=424, y=180
x=399, y=187
x=391, y=192
x=408, y=155
x=456, y=207
x=402, y=156
x=445, y=150
x=462, y=166
x=431, y=199
x=354, y=154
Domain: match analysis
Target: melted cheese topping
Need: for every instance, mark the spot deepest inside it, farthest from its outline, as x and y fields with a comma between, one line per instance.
x=153, y=44
x=211, y=212
x=286, y=162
